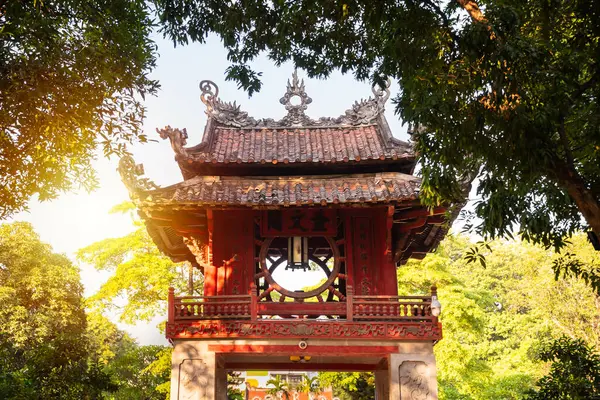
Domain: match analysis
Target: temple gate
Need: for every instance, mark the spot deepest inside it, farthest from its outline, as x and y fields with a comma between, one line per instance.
x=335, y=195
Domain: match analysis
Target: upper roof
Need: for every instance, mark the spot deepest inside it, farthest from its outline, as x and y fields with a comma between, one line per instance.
x=236, y=144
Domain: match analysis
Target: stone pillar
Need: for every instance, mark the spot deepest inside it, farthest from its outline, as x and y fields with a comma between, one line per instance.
x=194, y=373
x=382, y=385
x=413, y=376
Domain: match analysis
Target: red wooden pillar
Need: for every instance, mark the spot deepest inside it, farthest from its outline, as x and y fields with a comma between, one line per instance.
x=171, y=305
x=349, y=303
x=253, y=302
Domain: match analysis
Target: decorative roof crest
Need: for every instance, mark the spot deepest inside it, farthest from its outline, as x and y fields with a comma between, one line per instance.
x=130, y=175
x=296, y=89
x=363, y=112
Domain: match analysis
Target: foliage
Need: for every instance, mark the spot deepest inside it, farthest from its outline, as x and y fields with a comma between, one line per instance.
x=350, y=385
x=134, y=371
x=43, y=342
x=574, y=373
x=234, y=380
x=309, y=385
x=139, y=286
x=72, y=77
x=280, y=387
x=503, y=91
x=571, y=265
x=495, y=318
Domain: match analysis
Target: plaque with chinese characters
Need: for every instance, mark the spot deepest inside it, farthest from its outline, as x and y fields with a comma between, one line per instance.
x=299, y=222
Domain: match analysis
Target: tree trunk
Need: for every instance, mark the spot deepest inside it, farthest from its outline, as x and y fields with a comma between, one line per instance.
x=584, y=198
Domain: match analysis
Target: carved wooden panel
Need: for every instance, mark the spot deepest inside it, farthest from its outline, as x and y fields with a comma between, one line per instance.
x=304, y=329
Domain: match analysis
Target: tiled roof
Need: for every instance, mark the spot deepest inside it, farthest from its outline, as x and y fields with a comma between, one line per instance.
x=335, y=144
x=256, y=191
x=359, y=136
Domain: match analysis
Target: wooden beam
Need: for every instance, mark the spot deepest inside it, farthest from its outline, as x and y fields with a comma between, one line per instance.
x=295, y=350
x=300, y=366
x=417, y=213
x=406, y=227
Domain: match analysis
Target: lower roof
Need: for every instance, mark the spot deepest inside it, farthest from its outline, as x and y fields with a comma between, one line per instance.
x=283, y=191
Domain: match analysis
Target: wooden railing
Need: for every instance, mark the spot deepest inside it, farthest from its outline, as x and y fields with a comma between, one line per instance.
x=209, y=307
x=391, y=308
x=353, y=308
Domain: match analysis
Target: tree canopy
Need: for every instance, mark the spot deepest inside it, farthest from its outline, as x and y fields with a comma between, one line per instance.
x=574, y=374
x=43, y=341
x=141, y=274
x=500, y=322
x=503, y=91
x=73, y=74
x=50, y=348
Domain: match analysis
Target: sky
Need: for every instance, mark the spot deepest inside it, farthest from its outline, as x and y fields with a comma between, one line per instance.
x=78, y=219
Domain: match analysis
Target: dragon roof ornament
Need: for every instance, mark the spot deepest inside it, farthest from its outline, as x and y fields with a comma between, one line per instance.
x=363, y=112
x=131, y=176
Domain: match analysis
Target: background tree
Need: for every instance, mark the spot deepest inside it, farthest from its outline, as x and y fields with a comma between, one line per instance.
x=234, y=380
x=136, y=372
x=309, y=385
x=496, y=319
x=279, y=387
x=506, y=91
x=350, y=385
x=72, y=77
x=43, y=342
x=574, y=374
x=141, y=275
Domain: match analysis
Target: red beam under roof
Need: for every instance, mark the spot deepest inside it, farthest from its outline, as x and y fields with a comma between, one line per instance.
x=310, y=350
x=301, y=366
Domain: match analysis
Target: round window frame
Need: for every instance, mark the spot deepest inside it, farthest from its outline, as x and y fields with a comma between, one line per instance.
x=335, y=271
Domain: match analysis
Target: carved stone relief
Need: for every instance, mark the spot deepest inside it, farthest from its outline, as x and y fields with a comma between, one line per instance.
x=414, y=381
x=194, y=382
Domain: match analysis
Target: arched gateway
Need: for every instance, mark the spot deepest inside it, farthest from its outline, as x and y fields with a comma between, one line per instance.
x=333, y=196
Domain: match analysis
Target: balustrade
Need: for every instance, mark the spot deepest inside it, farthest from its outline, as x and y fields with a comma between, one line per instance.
x=354, y=308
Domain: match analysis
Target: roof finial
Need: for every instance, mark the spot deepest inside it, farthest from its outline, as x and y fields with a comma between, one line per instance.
x=382, y=93
x=295, y=89
x=131, y=176
x=210, y=93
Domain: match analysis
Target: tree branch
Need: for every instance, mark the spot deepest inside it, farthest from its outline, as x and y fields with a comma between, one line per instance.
x=471, y=7
x=446, y=22
x=474, y=11
x=565, y=142
x=586, y=85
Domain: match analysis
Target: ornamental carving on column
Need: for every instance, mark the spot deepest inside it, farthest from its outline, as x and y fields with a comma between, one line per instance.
x=414, y=381
x=193, y=383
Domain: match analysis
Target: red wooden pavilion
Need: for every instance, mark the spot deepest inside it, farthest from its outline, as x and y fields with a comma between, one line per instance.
x=335, y=194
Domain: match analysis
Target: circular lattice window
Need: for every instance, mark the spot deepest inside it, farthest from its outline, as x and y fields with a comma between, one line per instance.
x=322, y=256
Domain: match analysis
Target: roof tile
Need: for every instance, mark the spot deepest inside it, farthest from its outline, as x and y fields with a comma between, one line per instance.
x=264, y=191
x=293, y=145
